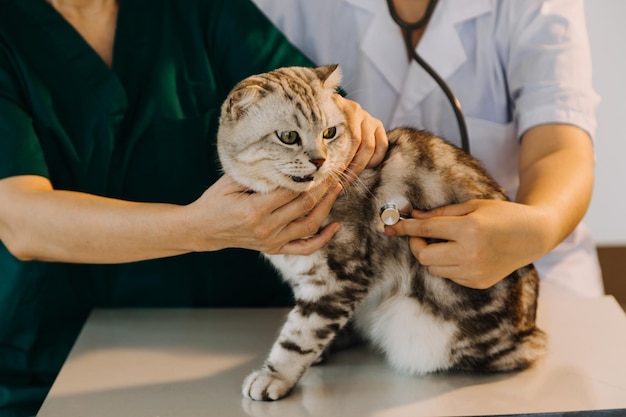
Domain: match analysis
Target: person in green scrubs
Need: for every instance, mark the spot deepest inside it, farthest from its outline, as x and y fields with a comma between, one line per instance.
x=110, y=189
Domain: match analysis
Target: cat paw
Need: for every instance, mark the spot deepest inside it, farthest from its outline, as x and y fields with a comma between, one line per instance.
x=263, y=385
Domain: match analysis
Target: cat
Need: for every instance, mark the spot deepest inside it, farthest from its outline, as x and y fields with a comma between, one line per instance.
x=284, y=129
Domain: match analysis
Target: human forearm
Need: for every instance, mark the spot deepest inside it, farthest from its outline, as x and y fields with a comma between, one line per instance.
x=39, y=223
x=53, y=225
x=556, y=180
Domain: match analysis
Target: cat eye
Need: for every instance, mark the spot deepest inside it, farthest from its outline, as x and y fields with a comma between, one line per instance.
x=289, y=138
x=329, y=133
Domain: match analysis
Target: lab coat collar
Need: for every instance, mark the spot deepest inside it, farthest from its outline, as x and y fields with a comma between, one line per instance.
x=440, y=45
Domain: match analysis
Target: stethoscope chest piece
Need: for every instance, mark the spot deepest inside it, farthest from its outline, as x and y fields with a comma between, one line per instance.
x=389, y=214
x=395, y=210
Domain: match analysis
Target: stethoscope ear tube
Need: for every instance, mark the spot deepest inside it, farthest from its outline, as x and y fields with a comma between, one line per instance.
x=407, y=29
x=408, y=26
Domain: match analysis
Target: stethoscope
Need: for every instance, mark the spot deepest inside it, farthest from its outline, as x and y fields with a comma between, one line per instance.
x=408, y=29
x=392, y=212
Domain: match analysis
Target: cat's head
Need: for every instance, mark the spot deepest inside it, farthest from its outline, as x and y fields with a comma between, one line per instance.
x=284, y=129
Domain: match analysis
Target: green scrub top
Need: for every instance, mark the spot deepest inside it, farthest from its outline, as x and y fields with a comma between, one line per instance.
x=142, y=130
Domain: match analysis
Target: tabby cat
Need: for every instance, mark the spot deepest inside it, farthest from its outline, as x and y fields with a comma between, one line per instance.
x=283, y=129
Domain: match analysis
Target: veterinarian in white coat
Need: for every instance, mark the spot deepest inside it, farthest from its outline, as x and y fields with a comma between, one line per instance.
x=522, y=73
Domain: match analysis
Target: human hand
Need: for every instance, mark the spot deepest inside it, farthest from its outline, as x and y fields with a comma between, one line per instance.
x=282, y=221
x=484, y=240
x=371, y=139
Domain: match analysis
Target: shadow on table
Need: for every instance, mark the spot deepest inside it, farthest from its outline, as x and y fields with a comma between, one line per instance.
x=180, y=364
x=354, y=383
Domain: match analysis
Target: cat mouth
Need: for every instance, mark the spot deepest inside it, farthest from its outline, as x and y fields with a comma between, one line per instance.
x=308, y=178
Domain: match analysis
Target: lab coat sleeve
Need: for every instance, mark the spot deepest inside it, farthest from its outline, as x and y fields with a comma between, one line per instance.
x=548, y=64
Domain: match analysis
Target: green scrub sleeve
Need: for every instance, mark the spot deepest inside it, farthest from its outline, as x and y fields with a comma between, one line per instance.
x=20, y=150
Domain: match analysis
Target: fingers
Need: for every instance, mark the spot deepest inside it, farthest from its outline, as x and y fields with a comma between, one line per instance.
x=438, y=254
x=431, y=257
x=270, y=222
x=437, y=228
x=262, y=204
x=381, y=144
x=315, y=203
x=372, y=149
x=440, y=259
x=309, y=224
x=440, y=223
x=460, y=209
x=294, y=228
x=310, y=245
x=368, y=132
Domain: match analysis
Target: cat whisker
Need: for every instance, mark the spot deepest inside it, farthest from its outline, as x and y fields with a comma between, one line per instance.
x=351, y=182
x=347, y=84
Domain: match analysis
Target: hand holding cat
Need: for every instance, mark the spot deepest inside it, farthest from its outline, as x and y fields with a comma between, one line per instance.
x=369, y=131
x=485, y=240
x=281, y=221
x=284, y=221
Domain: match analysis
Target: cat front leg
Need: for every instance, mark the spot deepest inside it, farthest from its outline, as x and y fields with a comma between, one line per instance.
x=309, y=328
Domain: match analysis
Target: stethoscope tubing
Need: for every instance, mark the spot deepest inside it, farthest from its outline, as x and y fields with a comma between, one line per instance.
x=408, y=28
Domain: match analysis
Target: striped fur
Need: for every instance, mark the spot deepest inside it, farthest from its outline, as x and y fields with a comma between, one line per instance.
x=421, y=323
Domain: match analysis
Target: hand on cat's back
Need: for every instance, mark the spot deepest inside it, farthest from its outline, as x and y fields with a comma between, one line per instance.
x=473, y=245
x=372, y=142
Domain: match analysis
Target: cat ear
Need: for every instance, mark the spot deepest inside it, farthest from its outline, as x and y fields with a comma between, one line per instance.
x=239, y=100
x=329, y=75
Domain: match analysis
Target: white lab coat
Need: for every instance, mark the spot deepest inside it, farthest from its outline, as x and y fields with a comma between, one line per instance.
x=512, y=64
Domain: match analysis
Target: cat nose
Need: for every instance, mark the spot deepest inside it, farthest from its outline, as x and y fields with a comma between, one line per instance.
x=317, y=162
